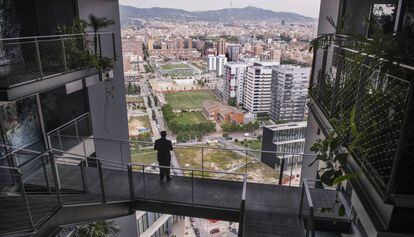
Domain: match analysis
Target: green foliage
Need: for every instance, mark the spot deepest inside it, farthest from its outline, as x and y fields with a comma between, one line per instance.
x=186, y=131
x=78, y=27
x=232, y=101
x=133, y=89
x=333, y=159
x=97, y=229
x=97, y=23
x=143, y=137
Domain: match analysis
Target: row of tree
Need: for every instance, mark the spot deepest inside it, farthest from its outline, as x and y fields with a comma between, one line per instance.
x=185, y=132
x=133, y=89
x=232, y=127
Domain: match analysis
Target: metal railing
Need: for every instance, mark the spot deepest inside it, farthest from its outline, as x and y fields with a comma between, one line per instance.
x=13, y=194
x=71, y=134
x=306, y=196
x=214, y=157
x=242, y=208
x=350, y=87
x=28, y=59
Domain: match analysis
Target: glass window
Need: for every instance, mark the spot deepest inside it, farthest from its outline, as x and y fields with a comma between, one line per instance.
x=408, y=22
x=382, y=18
x=21, y=126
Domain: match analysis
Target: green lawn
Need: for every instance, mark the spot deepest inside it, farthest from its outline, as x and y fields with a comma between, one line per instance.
x=190, y=118
x=251, y=144
x=218, y=160
x=144, y=157
x=188, y=100
x=173, y=66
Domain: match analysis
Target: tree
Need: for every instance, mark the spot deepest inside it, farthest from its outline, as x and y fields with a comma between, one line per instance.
x=137, y=89
x=130, y=89
x=149, y=101
x=97, y=229
x=97, y=23
x=154, y=117
x=156, y=102
x=232, y=101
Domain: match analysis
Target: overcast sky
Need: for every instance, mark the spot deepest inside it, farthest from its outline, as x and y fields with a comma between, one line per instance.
x=304, y=7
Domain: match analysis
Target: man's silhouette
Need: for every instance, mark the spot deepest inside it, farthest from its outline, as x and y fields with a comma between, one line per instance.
x=164, y=146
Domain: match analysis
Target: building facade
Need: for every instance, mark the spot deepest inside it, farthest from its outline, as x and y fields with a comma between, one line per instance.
x=257, y=89
x=211, y=63
x=289, y=93
x=283, y=139
x=234, y=82
x=221, y=61
x=234, y=51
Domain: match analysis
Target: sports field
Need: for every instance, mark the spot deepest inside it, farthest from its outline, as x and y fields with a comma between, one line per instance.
x=174, y=66
x=188, y=100
x=190, y=118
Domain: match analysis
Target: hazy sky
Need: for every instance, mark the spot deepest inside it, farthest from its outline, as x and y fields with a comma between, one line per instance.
x=304, y=7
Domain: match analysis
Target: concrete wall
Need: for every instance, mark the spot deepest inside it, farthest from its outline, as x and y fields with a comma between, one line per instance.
x=109, y=121
x=128, y=226
x=311, y=137
x=268, y=145
x=329, y=8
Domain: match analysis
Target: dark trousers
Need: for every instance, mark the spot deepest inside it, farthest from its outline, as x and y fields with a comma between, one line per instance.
x=165, y=172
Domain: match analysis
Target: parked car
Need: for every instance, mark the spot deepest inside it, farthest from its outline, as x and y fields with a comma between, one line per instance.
x=214, y=231
x=233, y=230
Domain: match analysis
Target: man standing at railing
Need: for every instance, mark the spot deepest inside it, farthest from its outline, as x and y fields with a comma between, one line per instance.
x=164, y=148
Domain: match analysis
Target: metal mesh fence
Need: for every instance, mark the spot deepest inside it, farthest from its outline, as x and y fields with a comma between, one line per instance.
x=36, y=58
x=356, y=92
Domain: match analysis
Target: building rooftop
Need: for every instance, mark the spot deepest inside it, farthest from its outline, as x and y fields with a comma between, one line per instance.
x=287, y=126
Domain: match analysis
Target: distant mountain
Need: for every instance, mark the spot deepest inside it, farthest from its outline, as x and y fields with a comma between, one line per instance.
x=223, y=15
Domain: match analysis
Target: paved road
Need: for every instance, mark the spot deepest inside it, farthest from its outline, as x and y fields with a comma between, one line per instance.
x=159, y=123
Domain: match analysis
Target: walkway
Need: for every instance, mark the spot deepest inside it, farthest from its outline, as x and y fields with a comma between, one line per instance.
x=271, y=210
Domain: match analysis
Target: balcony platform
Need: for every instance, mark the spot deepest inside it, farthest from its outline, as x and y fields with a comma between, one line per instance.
x=271, y=210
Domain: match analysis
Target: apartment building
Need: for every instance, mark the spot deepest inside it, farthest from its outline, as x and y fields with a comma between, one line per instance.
x=156, y=224
x=288, y=138
x=289, y=93
x=221, y=60
x=234, y=51
x=234, y=81
x=211, y=63
x=257, y=89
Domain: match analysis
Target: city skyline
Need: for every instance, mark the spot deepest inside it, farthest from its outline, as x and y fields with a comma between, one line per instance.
x=304, y=7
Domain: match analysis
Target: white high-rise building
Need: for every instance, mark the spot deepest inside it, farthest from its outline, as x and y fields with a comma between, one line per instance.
x=257, y=90
x=289, y=93
x=221, y=60
x=211, y=62
x=234, y=77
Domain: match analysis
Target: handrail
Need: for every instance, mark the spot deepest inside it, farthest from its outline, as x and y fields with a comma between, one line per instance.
x=191, y=146
x=58, y=36
x=9, y=168
x=356, y=51
x=310, y=227
x=85, y=115
x=82, y=157
x=17, y=149
x=307, y=191
x=187, y=169
x=244, y=187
